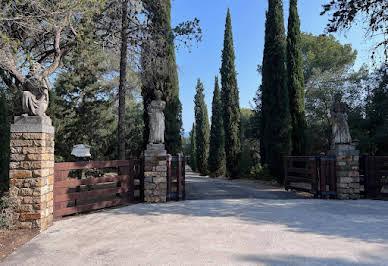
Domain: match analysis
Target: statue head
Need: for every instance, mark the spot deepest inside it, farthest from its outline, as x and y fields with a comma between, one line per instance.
x=158, y=94
x=35, y=68
x=338, y=97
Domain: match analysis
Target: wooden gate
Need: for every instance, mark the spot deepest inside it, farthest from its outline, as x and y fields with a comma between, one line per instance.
x=374, y=175
x=86, y=186
x=311, y=174
x=176, y=178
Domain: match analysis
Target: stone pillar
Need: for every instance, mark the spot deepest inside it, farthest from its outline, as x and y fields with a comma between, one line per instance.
x=32, y=170
x=347, y=171
x=155, y=173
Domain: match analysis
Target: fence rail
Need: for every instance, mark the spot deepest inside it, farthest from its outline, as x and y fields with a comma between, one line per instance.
x=311, y=174
x=75, y=191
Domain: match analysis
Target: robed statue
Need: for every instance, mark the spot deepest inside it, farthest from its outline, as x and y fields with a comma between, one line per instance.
x=156, y=119
x=339, y=122
x=35, y=97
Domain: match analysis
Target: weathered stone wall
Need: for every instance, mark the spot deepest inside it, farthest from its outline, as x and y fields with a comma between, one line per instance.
x=155, y=173
x=32, y=172
x=347, y=171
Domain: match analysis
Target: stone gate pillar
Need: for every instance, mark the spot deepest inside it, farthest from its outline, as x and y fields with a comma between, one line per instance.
x=347, y=171
x=32, y=170
x=155, y=173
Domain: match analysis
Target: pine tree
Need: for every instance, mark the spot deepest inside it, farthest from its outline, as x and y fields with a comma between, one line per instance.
x=202, y=129
x=193, y=150
x=216, y=163
x=230, y=102
x=296, y=81
x=4, y=143
x=275, y=104
x=160, y=71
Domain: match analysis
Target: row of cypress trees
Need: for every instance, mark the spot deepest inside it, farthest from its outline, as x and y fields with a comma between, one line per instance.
x=283, y=123
x=218, y=152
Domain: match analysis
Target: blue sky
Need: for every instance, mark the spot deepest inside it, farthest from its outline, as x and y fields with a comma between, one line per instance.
x=248, y=19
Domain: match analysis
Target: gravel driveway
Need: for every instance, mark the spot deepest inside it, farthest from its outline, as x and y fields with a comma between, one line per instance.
x=243, y=231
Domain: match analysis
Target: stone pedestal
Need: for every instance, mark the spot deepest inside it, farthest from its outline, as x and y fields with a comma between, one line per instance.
x=155, y=173
x=32, y=170
x=347, y=171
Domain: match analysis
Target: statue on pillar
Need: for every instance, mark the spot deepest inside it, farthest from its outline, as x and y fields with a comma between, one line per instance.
x=339, y=122
x=156, y=119
x=35, y=97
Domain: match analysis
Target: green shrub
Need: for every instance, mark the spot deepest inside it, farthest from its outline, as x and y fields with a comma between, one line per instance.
x=261, y=172
x=8, y=214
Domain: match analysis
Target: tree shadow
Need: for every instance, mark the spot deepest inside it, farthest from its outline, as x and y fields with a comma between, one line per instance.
x=367, y=260
x=364, y=220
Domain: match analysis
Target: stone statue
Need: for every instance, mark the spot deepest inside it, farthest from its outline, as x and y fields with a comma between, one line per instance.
x=35, y=98
x=339, y=122
x=157, y=120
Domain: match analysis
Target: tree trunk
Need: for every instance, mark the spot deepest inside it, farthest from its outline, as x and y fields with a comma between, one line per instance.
x=123, y=80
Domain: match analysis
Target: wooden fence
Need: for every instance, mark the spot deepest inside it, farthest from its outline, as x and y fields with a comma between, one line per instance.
x=176, y=178
x=311, y=174
x=374, y=175
x=86, y=186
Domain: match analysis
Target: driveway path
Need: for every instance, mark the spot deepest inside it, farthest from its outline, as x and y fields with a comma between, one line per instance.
x=204, y=188
x=245, y=231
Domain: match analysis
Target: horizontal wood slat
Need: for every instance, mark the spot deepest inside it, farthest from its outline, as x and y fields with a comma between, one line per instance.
x=90, y=181
x=300, y=170
x=89, y=165
x=90, y=207
x=89, y=194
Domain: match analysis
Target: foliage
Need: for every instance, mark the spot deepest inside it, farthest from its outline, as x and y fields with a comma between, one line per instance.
x=202, y=130
x=230, y=102
x=193, y=149
x=324, y=53
x=4, y=143
x=40, y=31
x=84, y=98
x=216, y=163
x=250, y=155
x=8, y=215
x=344, y=14
x=275, y=118
x=295, y=80
x=377, y=113
x=160, y=72
x=261, y=172
x=328, y=67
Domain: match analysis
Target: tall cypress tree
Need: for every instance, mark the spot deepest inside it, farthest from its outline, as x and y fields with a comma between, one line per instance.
x=193, y=150
x=202, y=129
x=230, y=102
x=161, y=72
x=4, y=144
x=275, y=104
x=216, y=163
x=296, y=81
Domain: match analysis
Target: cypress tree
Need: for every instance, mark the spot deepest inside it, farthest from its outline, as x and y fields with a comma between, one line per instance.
x=275, y=104
x=216, y=163
x=4, y=144
x=202, y=129
x=230, y=102
x=193, y=150
x=162, y=73
x=296, y=81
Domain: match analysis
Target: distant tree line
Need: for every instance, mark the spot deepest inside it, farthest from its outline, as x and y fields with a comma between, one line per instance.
x=301, y=73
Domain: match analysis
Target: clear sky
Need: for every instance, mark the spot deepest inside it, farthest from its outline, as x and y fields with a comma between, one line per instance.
x=248, y=20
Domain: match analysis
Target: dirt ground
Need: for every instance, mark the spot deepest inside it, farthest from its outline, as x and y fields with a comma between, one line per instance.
x=11, y=240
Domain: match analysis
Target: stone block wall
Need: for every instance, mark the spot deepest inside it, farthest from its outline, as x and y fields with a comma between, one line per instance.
x=347, y=171
x=155, y=173
x=348, y=177
x=32, y=175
